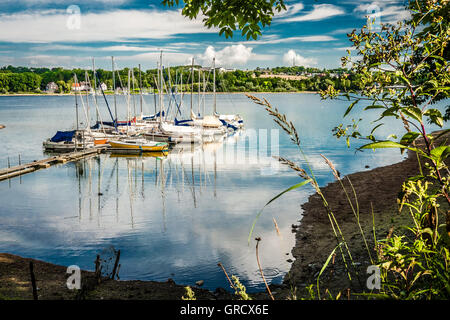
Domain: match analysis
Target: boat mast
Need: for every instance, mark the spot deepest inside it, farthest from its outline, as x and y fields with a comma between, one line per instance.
x=95, y=87
x=88, y=114
x=198, y=91
x=114, y=88
x=204, y=92
x=214, y=84
x=192, y=82
x=181, y=90
x=160, y=88
x=140, y=90
x=134, y=98
x=128, y=101
x=76, y=100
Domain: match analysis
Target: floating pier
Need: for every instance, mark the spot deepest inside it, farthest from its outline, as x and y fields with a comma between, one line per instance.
x=45, y=163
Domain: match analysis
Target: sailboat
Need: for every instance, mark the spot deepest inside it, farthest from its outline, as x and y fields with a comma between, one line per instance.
x=232, y=121
x=206, y=129
x=66, y=141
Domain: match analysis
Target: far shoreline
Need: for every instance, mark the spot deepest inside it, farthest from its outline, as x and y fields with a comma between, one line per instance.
x=111, y=94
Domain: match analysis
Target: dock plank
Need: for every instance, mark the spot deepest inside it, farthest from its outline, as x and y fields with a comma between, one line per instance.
x=11, y=172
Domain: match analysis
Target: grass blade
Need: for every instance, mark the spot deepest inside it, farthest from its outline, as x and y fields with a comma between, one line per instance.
x=298, y=185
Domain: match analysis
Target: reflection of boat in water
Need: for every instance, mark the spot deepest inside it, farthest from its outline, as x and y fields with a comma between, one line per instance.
x=138, y=145
x=154, y=154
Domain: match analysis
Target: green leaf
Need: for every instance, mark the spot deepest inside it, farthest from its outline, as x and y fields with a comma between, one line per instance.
x=374, y=107
x=409, y=137
x=326, y=264
x=439, y=154
x=416, y=178
x=435, y=117
x=413, y=112
x=298, y=185
x=375, y=128
x=386, y=144
x=350, y=107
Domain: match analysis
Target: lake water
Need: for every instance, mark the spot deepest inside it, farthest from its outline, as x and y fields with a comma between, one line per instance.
x=176, y=216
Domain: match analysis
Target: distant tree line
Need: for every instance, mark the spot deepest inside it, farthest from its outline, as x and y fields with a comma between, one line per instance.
x=29, y=80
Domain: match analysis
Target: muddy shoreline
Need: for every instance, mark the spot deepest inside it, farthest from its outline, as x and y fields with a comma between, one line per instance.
x=376, y=192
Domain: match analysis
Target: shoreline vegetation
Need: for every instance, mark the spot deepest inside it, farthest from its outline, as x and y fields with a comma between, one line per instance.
x=26, y=80
x=29, y=94
x=376, y=189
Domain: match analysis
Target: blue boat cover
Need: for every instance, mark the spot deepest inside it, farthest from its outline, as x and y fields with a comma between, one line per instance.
x=182, y=122
x=228, y=125
x=118, y=123
x=153, y=116
x=63, y=136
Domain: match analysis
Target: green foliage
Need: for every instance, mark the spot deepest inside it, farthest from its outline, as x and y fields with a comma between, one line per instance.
x=233, y=81
x=240, y=289
x=19, y=82
x=229, y=15
x=190, y=295
x=403, y=72
x=416, y=265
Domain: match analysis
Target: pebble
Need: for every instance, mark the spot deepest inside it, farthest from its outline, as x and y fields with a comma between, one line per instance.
x=200, y=283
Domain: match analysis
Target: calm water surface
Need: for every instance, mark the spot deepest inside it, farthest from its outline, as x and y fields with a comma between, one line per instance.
x=175, y=216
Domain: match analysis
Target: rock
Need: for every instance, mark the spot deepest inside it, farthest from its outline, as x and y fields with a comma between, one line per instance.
x=200, y=283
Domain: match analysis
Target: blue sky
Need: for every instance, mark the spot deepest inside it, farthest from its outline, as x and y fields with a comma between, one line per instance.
x=68, y=33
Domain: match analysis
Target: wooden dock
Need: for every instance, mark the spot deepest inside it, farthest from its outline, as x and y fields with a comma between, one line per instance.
x=45, y=163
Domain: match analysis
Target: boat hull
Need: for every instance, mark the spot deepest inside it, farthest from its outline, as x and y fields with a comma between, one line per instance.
x=119, y=145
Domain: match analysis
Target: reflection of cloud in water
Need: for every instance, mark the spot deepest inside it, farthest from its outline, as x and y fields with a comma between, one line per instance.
x=182, y=214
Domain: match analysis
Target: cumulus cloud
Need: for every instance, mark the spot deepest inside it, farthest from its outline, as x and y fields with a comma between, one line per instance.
x=292, y=57
x=234, y=55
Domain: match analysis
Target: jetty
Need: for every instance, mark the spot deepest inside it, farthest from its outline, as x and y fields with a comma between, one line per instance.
x=46, y=163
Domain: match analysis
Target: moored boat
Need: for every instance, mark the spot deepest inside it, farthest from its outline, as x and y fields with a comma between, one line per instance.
x=139, y=145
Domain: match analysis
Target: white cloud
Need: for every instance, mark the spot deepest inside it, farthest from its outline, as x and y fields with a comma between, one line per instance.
x=291, y=57
x=67, y=2
x=117, y=25
x=274, y=39
x=128, y=48
x=319, y=12
x=290, y=10
x=317, y=38
x=234, y=55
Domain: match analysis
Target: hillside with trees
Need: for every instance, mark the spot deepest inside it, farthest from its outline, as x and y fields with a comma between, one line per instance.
x=36, y=80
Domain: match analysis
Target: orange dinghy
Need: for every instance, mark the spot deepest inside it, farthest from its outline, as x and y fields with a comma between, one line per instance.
x=100, y=141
